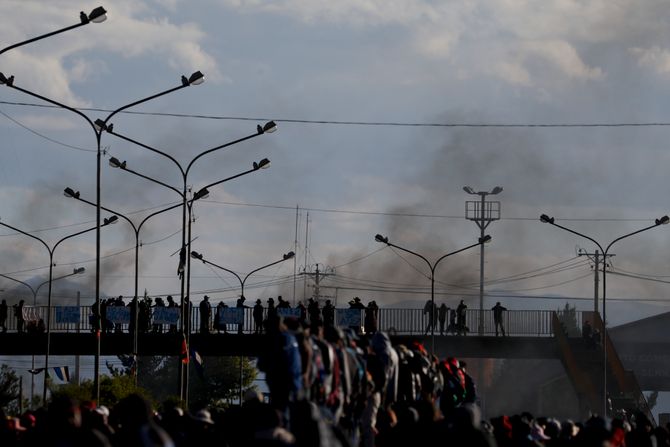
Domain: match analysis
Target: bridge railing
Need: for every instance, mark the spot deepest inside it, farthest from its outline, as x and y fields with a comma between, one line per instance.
x=536, y=323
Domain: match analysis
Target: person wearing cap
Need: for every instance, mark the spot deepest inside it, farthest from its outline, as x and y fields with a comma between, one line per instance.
x=240, y=305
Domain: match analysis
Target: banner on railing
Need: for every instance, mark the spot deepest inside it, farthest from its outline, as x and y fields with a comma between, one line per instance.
x=232, y=315
x=287, y=312
x=166, y=315
x=349, y=317
x=118, y=314
x=68, y=314
x=30, y=314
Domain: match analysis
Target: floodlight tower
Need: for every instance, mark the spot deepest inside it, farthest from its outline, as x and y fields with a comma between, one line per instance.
x=482, y=212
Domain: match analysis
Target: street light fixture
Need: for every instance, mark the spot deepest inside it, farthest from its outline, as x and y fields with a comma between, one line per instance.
x=482, y=212
x=69, y=192
x=200, y=257
x=432, y=266
x=186, y=229
x=268, y=127
x=98, y=15
x=242, y=281
x=657, y=222
x=51, y=250
x=98, y=126
x=35, y=291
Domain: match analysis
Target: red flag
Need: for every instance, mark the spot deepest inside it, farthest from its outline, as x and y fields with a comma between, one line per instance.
x=183, y=354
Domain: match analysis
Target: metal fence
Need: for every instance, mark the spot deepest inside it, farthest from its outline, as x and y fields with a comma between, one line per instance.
x=516, y=323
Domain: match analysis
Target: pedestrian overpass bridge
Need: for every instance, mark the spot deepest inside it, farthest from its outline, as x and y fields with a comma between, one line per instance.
x=634, y=363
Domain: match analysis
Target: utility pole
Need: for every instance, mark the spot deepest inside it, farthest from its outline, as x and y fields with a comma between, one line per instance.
x=317, y=276
x=482, y=212
x=77, y=367
x=595, y=257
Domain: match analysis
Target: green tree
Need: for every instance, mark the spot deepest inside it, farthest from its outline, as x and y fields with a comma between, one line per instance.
x=9, y=389
x=214, y=385
x=112, y=389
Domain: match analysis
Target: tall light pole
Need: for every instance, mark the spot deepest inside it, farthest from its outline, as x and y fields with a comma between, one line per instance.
x=432, y=267
x=242, y=281
x=98, y=126
x=69, y=192
x=550, y=220
x=482, y=212
x=51, y=250
x=268, y=127
x=35, y=291
x=186, y=228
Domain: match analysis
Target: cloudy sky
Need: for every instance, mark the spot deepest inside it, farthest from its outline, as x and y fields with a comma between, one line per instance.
x=382, y=109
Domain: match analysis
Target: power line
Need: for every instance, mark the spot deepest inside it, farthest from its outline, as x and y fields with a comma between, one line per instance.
x=422, y=215
x=359, y=123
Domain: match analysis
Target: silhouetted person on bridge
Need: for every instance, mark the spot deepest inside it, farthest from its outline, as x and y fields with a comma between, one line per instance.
x=258, y=317
x=371, y=317
x=18, y=313
x=498, y=317
x=205, y=315
x=461, y=328
x=171, y=303
x=442, y=312
x=3, y=316
x=430, y=309
x=328, y=313
x=240, y=305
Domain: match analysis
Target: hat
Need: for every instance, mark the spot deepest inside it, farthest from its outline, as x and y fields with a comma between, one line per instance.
x=258, y=301
x=203, y=416
x=357, y=299
x=102, y=410
x=205, y=297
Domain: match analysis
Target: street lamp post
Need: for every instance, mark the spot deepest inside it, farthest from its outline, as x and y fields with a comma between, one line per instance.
x=550, y=220
x=51, y=251
x=69, y=192
x=432, y=267
x=35, y=291
x=98, y=126
x=242, y=281
x=269, y=127
x=186, y=246
x=482, y=212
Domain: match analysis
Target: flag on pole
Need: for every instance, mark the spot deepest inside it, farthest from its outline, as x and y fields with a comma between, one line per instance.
x=197, y=361
x=63, y=373
x=183, y=354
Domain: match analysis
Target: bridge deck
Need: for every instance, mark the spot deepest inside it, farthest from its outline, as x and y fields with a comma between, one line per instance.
x=252, y=345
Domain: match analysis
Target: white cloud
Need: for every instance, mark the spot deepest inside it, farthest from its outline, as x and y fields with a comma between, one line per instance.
x=132, y=30
x=513, y=72
x=564, y=57
x=655, y=58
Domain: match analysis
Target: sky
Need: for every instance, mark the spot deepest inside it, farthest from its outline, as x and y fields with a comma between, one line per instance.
x=385, y=110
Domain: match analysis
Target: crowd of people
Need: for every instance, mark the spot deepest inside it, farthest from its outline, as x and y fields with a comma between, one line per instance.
x=141, y=312
x=332, y=388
